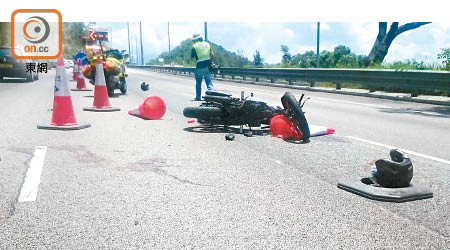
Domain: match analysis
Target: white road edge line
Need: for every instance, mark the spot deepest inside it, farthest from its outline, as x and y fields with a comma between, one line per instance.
x=29, y=189
x=404, y=150
x=187, y=95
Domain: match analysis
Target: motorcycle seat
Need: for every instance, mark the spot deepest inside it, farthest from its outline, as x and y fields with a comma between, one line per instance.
x=217, y=93
x=218, y=99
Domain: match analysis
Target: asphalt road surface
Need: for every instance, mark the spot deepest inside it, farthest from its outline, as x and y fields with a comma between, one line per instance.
x=127, y=183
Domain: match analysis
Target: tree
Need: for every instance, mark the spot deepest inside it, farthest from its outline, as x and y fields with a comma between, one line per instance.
x=257, y=59
x=340, y=51
x=384, y=39
x=305, y=60
x=326, y=59
x=72, y=34
x=5, y=34
x=347, y=61
x=181, y=54
x=286, y=55
x=445, y=57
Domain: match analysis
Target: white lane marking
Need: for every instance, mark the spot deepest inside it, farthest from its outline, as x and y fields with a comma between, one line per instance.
x=404, y=150
x=188, y=95
x=30, y=185
x=356, y=103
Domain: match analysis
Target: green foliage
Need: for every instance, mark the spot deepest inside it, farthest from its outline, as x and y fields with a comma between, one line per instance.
x=445, y=57
x=286, y=58
x=5, y=34
x=340, y=51
x=181, y=55
x=347, y=61
x=326, y=59
x=306, y=60
x=257, y=59
x=362, y=61
x=71, y=37
x=405, y=65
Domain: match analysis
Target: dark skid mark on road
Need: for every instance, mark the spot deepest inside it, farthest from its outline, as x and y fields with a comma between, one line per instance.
x=83, y=155
x=155, y=165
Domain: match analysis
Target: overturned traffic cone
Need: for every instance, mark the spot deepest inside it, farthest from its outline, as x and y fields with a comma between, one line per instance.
x=153, y=108
x=81, y=84
x=63, y=117
x=101, y=100
x=320, y=130
x=283, y=128
x=75, y=72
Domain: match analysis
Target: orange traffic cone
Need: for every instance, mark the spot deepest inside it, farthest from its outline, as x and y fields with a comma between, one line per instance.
x=81, y=84
x=101, y=100
x=153, y=108
x=63, y=117
x=75, y=72
x=282, y=127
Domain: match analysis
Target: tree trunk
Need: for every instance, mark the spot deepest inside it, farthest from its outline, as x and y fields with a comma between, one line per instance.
x=384, y=40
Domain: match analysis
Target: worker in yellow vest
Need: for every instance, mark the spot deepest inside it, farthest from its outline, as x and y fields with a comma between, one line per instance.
x=201, y=51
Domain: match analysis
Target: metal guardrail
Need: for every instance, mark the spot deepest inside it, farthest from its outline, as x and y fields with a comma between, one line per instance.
x=370, y=78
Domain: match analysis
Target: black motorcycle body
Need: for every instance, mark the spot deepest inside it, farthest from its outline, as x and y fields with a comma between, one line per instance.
x=223, y=109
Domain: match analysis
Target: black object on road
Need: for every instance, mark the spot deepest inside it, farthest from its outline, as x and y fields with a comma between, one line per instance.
x=223, y=109
x=144, y=86
x=229, y=137
x=248, y=134
x=390, y=181
x=394, y=173
x=364, y=187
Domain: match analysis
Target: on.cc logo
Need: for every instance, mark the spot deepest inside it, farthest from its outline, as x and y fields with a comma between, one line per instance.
x=36, y=29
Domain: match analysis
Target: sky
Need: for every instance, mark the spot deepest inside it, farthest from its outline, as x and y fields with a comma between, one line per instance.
x=422, y=44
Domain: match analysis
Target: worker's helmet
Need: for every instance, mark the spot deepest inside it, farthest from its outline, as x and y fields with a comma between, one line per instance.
x=196, y=37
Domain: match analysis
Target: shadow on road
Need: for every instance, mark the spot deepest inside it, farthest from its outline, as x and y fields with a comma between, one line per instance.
x=221, y=129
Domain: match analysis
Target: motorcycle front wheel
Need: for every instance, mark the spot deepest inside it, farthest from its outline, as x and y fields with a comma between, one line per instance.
x=296, y=114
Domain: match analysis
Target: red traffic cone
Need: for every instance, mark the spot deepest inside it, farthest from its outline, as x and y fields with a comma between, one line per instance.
x=81, y=84
x=63, y=117
x=320, y=130
x=75, y=72
x=282, y=127
x=153, y=108
x=101, y=100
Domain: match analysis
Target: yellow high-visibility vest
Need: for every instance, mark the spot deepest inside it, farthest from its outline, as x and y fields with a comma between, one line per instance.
x=203, y=50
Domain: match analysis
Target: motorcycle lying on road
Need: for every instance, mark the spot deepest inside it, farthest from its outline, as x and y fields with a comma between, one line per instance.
x=223, y=109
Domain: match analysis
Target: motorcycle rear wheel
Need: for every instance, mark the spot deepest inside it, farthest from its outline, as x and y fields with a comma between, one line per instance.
x=297, y=116
x=202, y=112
